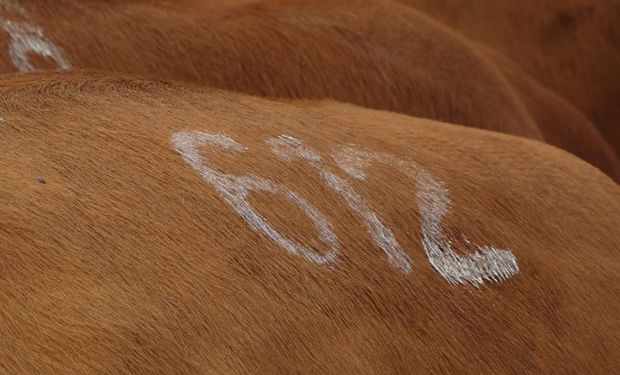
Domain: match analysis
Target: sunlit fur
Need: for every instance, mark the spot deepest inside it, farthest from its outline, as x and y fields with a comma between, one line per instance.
x=117, y=257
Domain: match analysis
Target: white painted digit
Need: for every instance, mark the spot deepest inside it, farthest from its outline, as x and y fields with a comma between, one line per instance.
x=29, y=39
x=487, y=263
x=235, y=190
x=289, y=148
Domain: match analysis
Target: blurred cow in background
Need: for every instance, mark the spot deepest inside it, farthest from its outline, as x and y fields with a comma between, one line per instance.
x=571, y=46
x=379, y=54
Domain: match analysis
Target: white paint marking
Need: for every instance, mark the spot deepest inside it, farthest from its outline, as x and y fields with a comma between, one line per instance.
x=14, y=8
x=26, y=39
x=235, y=190
x=289, y=148
x=487, y=263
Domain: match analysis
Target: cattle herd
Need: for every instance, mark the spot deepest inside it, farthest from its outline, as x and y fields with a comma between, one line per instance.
x=309, y=186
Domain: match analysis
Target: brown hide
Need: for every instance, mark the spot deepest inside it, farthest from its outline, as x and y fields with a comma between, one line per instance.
x=561, y=124
x=570, y=46
x=116, y=256
x=378, y=54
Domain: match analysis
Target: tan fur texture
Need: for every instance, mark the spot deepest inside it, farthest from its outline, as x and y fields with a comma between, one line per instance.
x=379, y=54
x=117, y=257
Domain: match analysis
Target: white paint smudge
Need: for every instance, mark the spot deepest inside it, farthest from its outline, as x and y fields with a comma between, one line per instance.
x=289, y=148
x=235, y=190
x=9, y=6
x=487, y=263
x=29, y=39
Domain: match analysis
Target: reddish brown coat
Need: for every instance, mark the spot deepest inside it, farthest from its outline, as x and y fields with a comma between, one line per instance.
x=570, y=46
x=379, y=54
x=117, y=257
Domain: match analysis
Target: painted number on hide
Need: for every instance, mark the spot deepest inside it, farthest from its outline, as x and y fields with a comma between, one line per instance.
x=487, y=263
x=289, y=148
x=235, y=190
x=26, y=39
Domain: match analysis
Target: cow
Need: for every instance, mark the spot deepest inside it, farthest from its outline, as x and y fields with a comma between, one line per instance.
x=569, y=46
x=379, y=54
x=156, y=227
x=561, y=123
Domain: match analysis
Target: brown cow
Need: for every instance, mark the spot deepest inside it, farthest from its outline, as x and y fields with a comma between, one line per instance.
x=561, y=123
x=379, y=54
x=152, y=228
x=570, y=46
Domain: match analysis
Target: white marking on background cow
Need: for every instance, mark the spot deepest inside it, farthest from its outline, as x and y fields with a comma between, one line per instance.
x=2, y=119
x=289, y=148
x=235, y=190
x=487, y=263
x=29, y=39
x=12, y=7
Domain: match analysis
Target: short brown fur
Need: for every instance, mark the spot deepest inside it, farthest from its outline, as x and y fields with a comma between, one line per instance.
x=126, y=261
x=569, y=46
x=379, y=54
